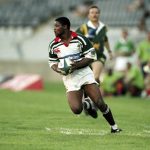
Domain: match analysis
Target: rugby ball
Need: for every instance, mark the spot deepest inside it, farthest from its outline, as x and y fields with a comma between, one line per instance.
x=64, y=65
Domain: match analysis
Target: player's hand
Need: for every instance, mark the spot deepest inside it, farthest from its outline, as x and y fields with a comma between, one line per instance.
x=110, y=55
x=61, y=72
x=80, y=64
x=74, y=66
x=56, y=69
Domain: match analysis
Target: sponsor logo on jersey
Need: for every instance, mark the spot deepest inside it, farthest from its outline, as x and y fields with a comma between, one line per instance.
x=56, y=50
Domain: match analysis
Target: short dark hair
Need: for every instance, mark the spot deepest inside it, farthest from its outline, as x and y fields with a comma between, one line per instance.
x=94, y=6
x=64, y=21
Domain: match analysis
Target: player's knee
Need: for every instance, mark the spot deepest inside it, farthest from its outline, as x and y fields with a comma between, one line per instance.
x=76, y=110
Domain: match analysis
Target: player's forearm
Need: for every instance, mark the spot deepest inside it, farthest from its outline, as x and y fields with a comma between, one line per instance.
x=81, y=64
x=108, y=47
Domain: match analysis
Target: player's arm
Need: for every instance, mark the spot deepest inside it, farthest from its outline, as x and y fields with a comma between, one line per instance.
x=53, y=60
x=81, y=64
x=107, y=45
x=88, y=54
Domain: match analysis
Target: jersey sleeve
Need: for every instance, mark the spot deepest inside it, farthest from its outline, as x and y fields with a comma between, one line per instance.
x=88, y=50
x=106, y=37
x=53, y=59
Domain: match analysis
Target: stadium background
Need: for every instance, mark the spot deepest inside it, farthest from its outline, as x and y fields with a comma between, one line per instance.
x=26, y=27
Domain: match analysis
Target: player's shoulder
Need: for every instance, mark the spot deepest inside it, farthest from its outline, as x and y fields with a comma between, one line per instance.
x=83, y=26
x=82, y=29
x=81, y=36
x=52, y=43
x=103, y=25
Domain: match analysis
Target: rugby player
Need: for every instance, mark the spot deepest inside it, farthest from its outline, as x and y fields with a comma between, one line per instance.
x=81, y=79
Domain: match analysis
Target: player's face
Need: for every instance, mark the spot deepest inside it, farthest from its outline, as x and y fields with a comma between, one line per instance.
x=124, y=34
x=94, y=14
x=58, y=29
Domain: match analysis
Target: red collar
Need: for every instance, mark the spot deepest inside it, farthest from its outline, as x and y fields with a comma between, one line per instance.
x=73, y=35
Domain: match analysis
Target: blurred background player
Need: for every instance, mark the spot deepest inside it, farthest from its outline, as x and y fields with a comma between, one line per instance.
x=95, y=31
x=146, y=91
x=113, y=83
x=124, y=51
x=134, y=80
x=69, y=44
x=143, y=51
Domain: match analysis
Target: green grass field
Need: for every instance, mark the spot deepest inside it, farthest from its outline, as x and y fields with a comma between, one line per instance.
x=32, y=120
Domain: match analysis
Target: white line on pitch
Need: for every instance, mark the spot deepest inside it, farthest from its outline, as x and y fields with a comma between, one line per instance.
x=69, y=131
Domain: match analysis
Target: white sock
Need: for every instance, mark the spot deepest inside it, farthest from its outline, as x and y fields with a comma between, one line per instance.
x=114, y=127
x=88, y=105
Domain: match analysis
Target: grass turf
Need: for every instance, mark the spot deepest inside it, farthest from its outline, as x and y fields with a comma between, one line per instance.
x=42, y=120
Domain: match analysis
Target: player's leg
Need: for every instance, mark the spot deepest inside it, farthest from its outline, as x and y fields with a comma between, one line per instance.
x=89, y=108
x=94, y=93
x=75, y=101
x=97, y=68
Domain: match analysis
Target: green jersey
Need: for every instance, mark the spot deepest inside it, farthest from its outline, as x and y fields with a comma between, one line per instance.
x=109, y=81
x=97, y=36
x=136, y=77
x=124, y=47
x=144, y=51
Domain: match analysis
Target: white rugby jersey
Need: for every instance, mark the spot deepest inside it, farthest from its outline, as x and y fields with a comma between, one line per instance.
x=78, y=47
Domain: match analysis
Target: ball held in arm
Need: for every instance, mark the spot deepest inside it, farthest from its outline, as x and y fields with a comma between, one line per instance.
x=64, y=66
